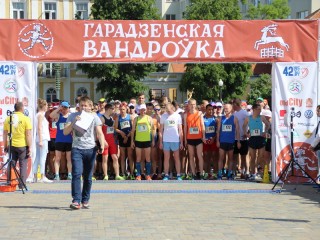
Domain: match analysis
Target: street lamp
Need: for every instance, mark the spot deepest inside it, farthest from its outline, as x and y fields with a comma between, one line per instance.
x=220, y=86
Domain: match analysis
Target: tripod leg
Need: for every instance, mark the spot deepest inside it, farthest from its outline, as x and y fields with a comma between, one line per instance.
x=285, y=170
x=21, y=183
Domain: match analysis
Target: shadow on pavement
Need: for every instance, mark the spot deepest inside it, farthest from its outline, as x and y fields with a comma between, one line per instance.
x=307, y=191
x=36, y=207
x=277, y=219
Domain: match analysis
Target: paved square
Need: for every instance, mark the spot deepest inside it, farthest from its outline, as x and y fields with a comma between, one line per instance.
x=163, y=210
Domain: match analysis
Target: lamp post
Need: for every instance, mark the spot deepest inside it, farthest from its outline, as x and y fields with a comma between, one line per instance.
x=220, y=87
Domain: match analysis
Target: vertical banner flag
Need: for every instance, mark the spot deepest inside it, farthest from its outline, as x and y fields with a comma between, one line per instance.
x=18, y=83
x=295, y=97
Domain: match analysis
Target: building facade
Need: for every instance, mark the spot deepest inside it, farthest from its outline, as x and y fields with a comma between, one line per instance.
x=300, y=9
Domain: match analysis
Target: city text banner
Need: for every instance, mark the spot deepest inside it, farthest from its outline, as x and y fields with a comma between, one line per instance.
x=18, y=84
x=158, y=41
x=295, y=98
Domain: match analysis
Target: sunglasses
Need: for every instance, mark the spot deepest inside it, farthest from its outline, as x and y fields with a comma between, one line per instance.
x=131, y=107
x=157, y=109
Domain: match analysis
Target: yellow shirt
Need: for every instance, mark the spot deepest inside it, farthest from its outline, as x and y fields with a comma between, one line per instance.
x=20, y=123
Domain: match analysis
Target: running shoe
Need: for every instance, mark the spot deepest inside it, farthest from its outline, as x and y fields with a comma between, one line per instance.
x=204, y=176
x=75, y=206
x=258, y=178
x=179, y=178
x=93, y=178
x=132, y=177
x=120, y=178
x=252, y=177
x=57, y=177
x=138, y=178
x=69, y=176
x=85, y=205
x=106, y=178
x=166, y=178
x=148, y=178
x=46, y=180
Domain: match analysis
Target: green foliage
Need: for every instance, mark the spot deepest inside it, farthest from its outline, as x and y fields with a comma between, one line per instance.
x=260, y=87
x=121, y=81
x=278, y=9
x=124, y=10
x=204, y=78
x=213, y=10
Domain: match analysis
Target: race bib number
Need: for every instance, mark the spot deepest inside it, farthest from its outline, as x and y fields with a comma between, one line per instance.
x=210, y=129
x=255, y=132
x=194, y=130
x=125, y=124
x=171, y=123
x=110, y=130
x=54, y=125
x=226, y=128
x=61, y=126
x=142, y=128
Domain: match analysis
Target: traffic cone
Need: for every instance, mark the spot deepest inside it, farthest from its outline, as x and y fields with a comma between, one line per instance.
x=265, y=178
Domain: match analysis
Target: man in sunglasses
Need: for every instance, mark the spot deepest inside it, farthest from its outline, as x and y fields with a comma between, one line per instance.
x=63, y=143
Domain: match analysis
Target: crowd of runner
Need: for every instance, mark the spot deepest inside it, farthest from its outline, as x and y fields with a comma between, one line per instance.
x=163, y=140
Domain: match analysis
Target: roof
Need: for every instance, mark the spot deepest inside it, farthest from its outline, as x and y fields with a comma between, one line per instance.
x=314, y=15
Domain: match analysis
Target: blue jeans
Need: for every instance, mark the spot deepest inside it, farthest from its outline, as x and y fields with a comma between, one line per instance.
x=82, y=165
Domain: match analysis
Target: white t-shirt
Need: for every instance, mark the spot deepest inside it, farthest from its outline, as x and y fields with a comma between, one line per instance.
x=241, y=115
x=170, y=126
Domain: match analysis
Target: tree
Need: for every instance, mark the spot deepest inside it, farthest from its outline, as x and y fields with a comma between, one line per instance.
x=121, y=81
x=260, y=87
x=278, y=9
x=203, y=78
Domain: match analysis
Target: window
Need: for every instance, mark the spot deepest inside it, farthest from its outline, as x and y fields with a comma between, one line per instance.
x=49, y=70
x=50, y=10
x=51, y=94
x=302, y=14
x=82, y=92
x=82, y=10
x=170, y=17
x=157, y=93
x=18, y=10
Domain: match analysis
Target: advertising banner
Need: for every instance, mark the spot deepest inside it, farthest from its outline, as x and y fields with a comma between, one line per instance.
x=18, y=83
x=148, y=41
x=294, y=101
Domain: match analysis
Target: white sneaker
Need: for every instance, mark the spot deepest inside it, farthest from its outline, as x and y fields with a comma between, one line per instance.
x=46, y=180
x=30, y=180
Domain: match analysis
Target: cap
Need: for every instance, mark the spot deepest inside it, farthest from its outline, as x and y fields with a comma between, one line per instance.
x=249, y=107
x=266, y=113
x=65, y=104
x=218, y=104
x=186, y=102
x=213, y=104
x=102, y=100
x=142, y=106
x=117, y=102
x=260, y=99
